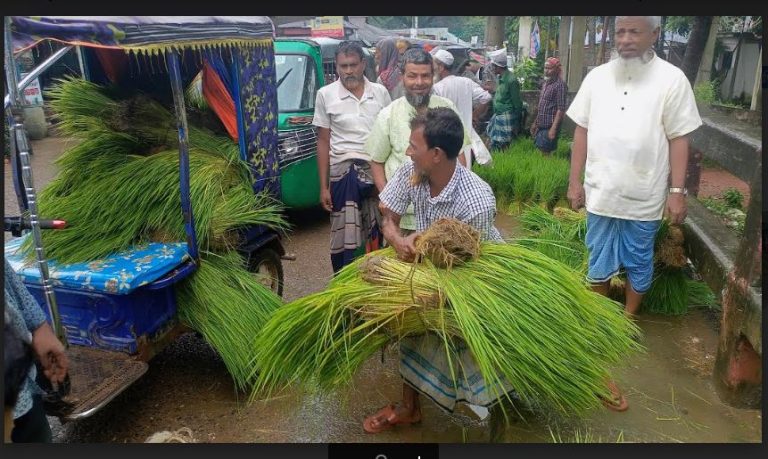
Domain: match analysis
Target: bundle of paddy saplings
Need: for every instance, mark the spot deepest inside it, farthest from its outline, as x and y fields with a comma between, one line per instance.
x=118, y=187
x=529, y=321
x=521, y=176
x=561, y=236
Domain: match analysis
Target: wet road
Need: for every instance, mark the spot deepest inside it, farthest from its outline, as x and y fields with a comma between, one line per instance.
x=670, y=390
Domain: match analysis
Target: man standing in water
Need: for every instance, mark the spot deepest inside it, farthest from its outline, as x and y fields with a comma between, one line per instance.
x=633, y=117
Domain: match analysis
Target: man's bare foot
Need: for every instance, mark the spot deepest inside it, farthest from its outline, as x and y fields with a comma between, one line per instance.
x=390, y=416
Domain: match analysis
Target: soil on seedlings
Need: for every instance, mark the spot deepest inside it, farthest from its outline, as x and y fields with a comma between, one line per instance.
x=448, y=242
x=671, y=251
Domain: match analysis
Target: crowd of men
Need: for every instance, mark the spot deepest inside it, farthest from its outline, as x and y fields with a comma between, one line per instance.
x=395, y=155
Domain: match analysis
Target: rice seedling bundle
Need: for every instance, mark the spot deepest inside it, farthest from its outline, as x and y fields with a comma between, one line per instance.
x=521, y=175
x=528, y=320
x=119, y=186
x=227, y=305
x=561, y=236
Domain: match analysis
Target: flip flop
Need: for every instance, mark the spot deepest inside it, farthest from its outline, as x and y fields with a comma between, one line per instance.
x=617, y=402
x=389, y=413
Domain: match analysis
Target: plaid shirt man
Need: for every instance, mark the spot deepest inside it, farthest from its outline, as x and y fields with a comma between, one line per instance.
x=553, y=98
x=466, y=197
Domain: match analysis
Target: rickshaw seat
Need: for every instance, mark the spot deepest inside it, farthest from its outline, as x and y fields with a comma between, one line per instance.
x=117, y=274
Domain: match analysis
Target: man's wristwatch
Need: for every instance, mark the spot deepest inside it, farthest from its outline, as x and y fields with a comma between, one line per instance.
x=683, y=191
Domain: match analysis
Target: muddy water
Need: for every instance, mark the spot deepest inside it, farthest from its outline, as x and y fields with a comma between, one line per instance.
x=669, y=388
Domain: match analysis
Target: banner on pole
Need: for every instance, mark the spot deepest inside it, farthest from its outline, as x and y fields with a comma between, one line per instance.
x=535, y=41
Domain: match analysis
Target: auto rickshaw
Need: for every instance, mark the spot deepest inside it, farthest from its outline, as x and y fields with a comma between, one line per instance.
x=304, y=65
x=113, y=330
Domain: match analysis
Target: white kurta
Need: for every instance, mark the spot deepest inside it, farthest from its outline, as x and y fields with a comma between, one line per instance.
x=631, y=112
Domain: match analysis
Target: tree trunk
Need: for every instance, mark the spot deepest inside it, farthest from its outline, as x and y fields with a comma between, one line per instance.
x=576, y=67
x=705, y=68
x=601, y=54
x=694, y=50
x=563, y=46
x=494, y=31
x=660, y=41
x=591, y=33
x=757, y=89
x=549, y=38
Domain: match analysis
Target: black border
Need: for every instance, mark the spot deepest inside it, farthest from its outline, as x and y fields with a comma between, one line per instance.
x=372, y=7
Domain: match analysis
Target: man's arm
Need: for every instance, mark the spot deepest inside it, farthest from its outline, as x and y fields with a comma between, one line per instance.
x=561, y=99
x=555, y=125
x=379, y=175
x=379, y=148
x=678, y=165
x=390, y=227
x=323, y=166
x=578, y=160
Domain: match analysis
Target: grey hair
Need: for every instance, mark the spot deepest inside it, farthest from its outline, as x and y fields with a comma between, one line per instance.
x=653, y=21
x=415, y=56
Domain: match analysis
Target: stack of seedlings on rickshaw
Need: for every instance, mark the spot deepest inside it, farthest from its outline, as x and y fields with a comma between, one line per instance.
x=529, y=321
x=118, y=187
x=561, y=235
x=521, y=176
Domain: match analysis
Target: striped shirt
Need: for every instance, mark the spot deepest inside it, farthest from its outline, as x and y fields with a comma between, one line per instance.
x=553, y=98
x=466, y=197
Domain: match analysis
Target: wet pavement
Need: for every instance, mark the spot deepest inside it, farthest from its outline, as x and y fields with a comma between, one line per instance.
x=669, y=388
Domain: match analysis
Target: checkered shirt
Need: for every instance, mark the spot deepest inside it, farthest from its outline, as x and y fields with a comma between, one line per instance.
x=466, y=197
x=553, y=98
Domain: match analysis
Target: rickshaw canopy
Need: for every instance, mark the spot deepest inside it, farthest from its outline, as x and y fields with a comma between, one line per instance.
x=140, y=33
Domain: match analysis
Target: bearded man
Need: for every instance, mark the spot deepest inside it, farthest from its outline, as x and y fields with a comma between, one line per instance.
x=391, y=131
x=633, y=117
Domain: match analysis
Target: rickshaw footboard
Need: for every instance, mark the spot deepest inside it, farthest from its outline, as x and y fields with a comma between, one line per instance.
x=97, y=377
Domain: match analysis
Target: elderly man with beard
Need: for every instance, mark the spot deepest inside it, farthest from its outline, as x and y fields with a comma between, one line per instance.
x=441, y=189
x=391, y=130
x=470, y=99
x=344, y=114
x=633, y=117
x=553, y=103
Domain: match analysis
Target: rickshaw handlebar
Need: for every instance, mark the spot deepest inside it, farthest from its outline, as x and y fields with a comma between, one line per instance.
x=15, y=225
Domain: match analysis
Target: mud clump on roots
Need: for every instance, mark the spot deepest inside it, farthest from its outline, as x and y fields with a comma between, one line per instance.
x=671, y=251
x=448, y=243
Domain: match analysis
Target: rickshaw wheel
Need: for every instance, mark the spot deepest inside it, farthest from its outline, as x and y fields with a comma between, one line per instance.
x=267, y=266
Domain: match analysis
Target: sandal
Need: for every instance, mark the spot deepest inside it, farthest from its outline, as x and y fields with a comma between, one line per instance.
x=389, y=419
x=617, y=402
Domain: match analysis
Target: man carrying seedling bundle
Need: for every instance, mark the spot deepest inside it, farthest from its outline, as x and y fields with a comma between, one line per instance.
x=633, y=116
x=344, y=114
x=388, y=141
x=438, y=188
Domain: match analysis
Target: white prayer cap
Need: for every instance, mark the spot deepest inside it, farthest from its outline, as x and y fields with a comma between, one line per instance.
x=443, y=56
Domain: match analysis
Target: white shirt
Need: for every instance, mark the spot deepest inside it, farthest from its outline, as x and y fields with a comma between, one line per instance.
x=350, y=119
x=463, y=92
x=631, y=112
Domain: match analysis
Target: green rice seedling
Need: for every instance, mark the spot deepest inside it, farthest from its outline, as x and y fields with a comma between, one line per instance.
x=699, y=294
x=104, y=218
x=496, y=304
x=668, y=293
x=228, y=306
x=563, y=149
